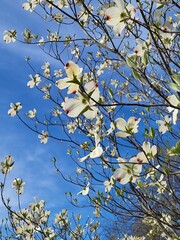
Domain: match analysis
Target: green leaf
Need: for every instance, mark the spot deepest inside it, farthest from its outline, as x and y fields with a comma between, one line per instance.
x=110, y=92
x=151, y=132
x=174, y=151
x=176, y=78
x=160, y=6
x=130, y=62
x=166, y=170
x=174, y=86
x=136, y=75
x=145, y=59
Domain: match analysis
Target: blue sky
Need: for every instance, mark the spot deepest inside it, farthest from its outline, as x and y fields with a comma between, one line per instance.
x=32, y=159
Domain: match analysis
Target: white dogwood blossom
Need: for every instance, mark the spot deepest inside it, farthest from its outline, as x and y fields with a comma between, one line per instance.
x=127, y=128
x=43, y=137
x=164, y=125
x=14, y=108
x=109, y=184
x=31, y=113
x=34, y=81
x=85, y=190
x=7, y=165
x=30, y=5
x=142, y=47
x=9, y=36
x=83, y=103
x=74, y=72
x=145, y=156
x=18, y=184
x=118, y=16
x=148, y=150
x=128, y=171
x=47, y=69
x=97, y=152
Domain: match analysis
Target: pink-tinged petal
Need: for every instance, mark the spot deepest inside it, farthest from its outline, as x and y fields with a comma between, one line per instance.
x=141, y=158
x=154, y=150
x=121, y=124
x=133, y=122
x=97, y=152
x=163, y=129
x=167, y=119
x=73, y=88
x=73, y=107
x=146, y=147
x=12, y=112
x=112, y=16
x=122, y=176
x=120, y=4
x=72, y=69
x=119, y=174
x=137, y=166
x=122, y=134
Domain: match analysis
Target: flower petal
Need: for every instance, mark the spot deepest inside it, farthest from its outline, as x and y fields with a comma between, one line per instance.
x=146, y=147
x=62, y=83
x=112, y=16
x=73, y=107
x=72, y=69
x=121, y=124
x=97, y=152
x=154, y=150
x=122, y=134
x=120, y=4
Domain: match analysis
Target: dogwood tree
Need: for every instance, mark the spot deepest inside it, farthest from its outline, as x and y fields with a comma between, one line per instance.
x=115, y=98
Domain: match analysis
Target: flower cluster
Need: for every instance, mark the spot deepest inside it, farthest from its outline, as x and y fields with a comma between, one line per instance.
x=97, y=152
x=164, y=126
x=15, y=107
x=126, y=128
x=7, y=165
x=34, y=81
x=129, y=171
x=43, y=137
x=119, y=16
x=31, y=220
x=9, y=36
x=74, y=72
x=18, y=184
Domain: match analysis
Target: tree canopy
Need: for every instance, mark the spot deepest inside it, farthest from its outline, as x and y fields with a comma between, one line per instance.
x=114, y=102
